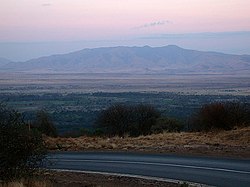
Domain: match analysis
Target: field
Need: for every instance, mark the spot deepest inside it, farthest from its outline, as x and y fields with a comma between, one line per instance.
x=208, y=84
x=75, y=100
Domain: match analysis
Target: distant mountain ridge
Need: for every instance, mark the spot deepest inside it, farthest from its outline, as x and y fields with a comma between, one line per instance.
x=4, y=61
x=167, y=59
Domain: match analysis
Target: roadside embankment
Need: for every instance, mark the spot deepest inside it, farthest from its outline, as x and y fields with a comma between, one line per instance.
x=234, y=143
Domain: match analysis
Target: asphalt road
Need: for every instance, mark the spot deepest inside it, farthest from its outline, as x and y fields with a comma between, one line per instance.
x=205, y=170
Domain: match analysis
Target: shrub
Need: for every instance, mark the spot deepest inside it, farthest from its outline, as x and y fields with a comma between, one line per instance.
x=71, y=134
x=220, y=116
x=98, y=132
x=44, y=124
x=132, y=120
x=22, y=151
x=238, y=114
x=115, y=120
x=81, y=132
x=164, y=124
x=144, y=117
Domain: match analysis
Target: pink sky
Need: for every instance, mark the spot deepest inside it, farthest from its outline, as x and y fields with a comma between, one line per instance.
x=34, y=28
x=65, y=20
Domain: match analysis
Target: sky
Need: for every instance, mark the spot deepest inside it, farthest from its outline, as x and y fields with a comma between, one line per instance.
x=29, y=29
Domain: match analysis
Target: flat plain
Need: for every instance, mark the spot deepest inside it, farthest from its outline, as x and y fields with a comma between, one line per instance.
x=100, y=82
x=75, y=100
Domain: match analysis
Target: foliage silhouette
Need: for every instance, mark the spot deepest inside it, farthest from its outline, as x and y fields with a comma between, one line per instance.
x=131, y=120
x=22, y=151
x=220, y=116
x=165, y=124
x=44, y=124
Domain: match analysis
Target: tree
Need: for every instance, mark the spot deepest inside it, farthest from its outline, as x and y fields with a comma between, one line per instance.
x=132, y=120
x=238, y=113
x=22, y=151
x=115, y=120
x=44, y=124
x=220, y=116
x=144, y=117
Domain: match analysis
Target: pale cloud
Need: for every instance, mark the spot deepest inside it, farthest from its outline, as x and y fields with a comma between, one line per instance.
x=153, y=24
x=47, y=3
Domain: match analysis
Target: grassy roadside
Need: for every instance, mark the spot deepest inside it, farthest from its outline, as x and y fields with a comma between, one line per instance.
x=234, y=143
x=28, y=183
x=73, y=179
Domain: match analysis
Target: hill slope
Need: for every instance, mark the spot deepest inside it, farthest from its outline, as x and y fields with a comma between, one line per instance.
x=168, y=59
x=4, y=61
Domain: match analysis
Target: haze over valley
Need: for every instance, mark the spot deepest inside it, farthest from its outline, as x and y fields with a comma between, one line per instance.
x=75, y=87
x=169, y=59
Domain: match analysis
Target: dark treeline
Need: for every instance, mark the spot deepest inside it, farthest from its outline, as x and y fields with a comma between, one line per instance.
x=131, y=120
x=78, y=112
x=143, y=119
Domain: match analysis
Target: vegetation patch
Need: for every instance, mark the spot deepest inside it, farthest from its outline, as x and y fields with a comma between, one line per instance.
x=22, y=150
x=233, y=143
x=220, y=116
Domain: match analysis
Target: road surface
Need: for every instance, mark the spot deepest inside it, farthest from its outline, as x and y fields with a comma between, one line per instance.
x=205, y=170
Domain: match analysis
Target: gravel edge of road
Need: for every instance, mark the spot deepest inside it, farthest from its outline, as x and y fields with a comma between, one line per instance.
x=135, y=180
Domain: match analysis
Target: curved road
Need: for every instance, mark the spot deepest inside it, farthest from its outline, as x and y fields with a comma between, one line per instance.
x=209, y=171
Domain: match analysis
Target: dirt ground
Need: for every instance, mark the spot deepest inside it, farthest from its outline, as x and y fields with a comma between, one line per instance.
x=69, y=179
x=234, y=143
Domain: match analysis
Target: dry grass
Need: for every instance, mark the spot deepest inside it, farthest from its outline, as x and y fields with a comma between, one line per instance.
x=30, y=183
x=72, y=179
x=227, y=143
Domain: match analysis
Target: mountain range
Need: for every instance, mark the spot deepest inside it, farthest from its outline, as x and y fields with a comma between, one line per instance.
x=4, y=61
x=169, y=59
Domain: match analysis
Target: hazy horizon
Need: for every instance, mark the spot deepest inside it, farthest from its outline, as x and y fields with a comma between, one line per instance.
x=22, y=51
x=31, y=29
x=61, y=48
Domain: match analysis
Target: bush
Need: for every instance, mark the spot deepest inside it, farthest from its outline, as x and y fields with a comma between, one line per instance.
x=98, y=132
x=238, y=114
x=132, y=120
x=82, y=132
x=144, y=117
x=77, y=133
x=115, y=120
x=164, y=124
x=22, y=151
x=220, y=116
x=44, y=124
